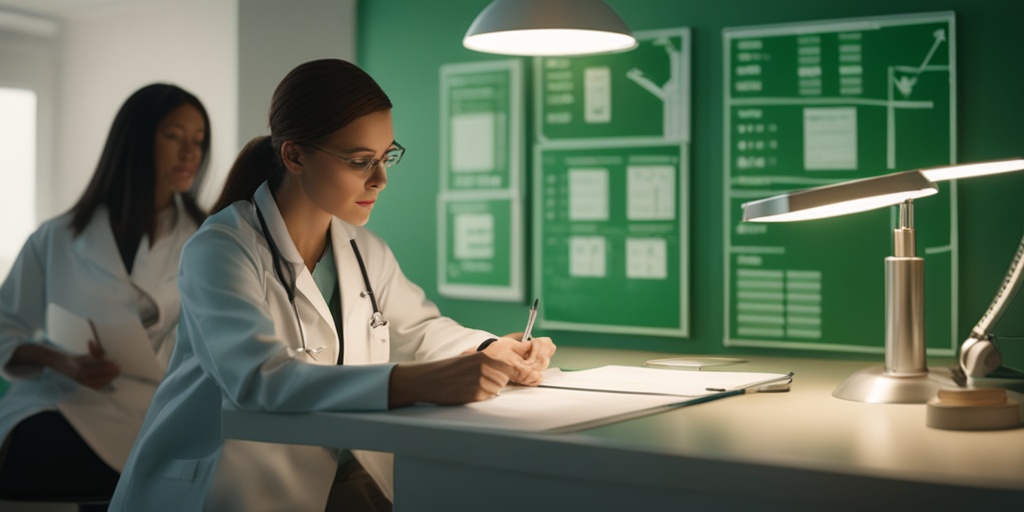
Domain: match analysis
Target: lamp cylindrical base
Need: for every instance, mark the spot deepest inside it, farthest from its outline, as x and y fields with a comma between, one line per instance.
x=904, y=317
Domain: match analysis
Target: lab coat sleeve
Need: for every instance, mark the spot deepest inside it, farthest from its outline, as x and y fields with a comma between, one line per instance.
x=228, y=321
x=418, y=330
x=23, y=306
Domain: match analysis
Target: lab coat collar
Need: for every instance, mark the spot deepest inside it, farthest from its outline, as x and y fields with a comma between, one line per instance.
x=275, y=223
x=155, y=266
x=96, y=242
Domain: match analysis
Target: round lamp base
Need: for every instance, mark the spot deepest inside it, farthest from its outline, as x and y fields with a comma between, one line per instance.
x=875, y=386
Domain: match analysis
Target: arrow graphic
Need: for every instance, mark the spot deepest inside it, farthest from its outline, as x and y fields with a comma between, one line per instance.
x=940, y=36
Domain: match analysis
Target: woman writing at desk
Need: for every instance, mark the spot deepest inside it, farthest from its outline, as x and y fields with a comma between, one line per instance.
x=288, y=305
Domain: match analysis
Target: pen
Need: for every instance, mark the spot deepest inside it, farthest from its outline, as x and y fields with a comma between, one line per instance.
x=777, y=384
x=529, y=323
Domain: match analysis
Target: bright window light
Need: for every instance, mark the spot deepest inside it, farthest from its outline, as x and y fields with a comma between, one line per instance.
x=17, y=195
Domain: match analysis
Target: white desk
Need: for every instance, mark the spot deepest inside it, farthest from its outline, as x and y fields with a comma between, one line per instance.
x=801, y=450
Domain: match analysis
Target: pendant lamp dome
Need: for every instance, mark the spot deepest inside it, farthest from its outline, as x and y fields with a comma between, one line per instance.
x=548, y=28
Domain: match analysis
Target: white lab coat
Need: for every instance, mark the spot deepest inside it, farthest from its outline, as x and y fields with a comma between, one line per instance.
x=85, y=275
x=239, y=347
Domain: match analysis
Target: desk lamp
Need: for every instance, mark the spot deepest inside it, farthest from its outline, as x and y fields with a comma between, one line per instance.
x=548, y=28
x=905, y=378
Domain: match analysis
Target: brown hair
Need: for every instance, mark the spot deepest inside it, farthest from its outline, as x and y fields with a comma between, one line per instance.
x=313, y=101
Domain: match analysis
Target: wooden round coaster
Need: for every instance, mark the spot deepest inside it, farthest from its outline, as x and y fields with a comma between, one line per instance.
x=977, y=397
x=973, y=409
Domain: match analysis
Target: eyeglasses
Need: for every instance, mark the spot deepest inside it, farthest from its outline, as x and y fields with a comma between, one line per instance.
x=366, y=164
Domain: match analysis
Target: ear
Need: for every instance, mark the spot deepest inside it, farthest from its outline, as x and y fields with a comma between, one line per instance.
x=292, y=157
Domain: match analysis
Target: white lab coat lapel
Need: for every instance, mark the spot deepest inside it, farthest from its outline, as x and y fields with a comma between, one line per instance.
x=362, y=346
x=356, y=349
x=156, y=268
x=318, y=327
x=151, y=273
x=96, y=245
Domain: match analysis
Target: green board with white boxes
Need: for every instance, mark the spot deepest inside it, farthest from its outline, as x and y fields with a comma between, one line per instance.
x=480, y=234
x=815, y=103
x=610, y=182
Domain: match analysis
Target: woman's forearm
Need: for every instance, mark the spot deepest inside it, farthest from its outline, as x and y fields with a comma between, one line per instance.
x=35, y=354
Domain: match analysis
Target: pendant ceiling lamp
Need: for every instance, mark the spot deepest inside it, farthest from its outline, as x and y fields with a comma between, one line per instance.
x=548, y=28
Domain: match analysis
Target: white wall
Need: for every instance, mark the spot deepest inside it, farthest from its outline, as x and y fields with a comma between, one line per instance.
x=108, y=54
x=274, y=37
x=29, y=52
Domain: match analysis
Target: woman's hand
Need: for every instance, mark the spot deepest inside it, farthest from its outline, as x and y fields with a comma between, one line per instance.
x=538, y=358
x=93, y=369
x=529, y=358
x=457, y=380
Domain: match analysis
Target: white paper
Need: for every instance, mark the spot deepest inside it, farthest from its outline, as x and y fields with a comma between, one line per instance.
x=569, y=401
x=68, y=330
x=658, y=381
x=540, y=409
x=126, y=344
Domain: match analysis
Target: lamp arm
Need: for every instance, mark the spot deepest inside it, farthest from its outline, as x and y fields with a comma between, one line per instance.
x=1011, y=284
x=978, y=355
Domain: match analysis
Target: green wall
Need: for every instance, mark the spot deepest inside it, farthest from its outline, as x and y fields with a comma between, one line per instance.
x=402, y=43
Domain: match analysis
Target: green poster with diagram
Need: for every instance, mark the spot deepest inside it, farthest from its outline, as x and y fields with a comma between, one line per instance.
x=815, y=103
x=611, y=238
x=610, y=188
x=477, y=258
x=480, y=235
x=642, y=93
x=481, y=126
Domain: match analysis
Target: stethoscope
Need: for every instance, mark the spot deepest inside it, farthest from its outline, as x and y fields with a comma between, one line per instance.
x=376, y=320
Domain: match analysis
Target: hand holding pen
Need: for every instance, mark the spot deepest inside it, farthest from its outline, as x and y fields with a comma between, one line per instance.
x=528, y=356
x=540, y=350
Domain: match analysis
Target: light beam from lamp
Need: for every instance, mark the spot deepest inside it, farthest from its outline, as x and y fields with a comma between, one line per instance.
x=548, y=28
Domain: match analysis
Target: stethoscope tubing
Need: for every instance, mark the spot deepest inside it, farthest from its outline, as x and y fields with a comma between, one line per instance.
x=377, y=320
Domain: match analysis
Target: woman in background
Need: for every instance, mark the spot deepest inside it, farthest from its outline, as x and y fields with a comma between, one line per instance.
x=289, y=305
x=68, y=420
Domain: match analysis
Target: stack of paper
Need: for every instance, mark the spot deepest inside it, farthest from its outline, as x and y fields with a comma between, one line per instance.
x=569, y=401
x=656, y=381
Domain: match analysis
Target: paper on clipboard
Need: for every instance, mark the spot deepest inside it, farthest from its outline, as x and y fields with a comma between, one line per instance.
x=657, y=381
x=68, y=330
x=573, y=400
x=125, y=343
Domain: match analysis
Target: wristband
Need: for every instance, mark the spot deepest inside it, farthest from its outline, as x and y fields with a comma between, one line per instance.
x=486, y=344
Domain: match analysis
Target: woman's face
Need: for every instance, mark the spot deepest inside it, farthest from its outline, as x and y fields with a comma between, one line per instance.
x=178, y=150
x=336, y=175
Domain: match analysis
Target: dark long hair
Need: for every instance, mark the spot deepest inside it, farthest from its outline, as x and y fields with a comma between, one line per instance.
x=125, y=177
x=313, y=101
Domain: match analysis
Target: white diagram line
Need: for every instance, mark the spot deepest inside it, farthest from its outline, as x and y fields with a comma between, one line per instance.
x=940, y=36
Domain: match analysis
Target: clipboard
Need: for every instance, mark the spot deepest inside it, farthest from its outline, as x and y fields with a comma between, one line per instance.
x=125, y=343
x=67, y=330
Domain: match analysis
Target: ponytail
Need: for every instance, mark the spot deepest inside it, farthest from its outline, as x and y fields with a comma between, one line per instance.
x=256, y=162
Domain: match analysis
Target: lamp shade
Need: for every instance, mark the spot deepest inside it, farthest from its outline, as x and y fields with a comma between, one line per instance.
x=971, y=170
x=841, y=198
x=548, y=28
